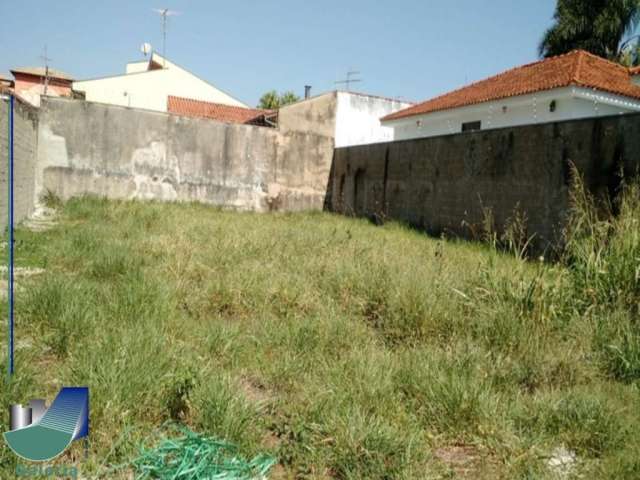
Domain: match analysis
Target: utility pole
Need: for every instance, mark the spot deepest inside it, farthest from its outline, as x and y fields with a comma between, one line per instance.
x=164, y=13
x=349, y=80
x=46, y=60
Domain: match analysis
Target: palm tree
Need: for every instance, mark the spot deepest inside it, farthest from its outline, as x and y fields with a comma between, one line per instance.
x=269, y=101
x=272, y=101
x=598, y=26
x=288, y=97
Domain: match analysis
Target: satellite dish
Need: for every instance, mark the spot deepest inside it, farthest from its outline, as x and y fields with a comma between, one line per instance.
x=145, y=48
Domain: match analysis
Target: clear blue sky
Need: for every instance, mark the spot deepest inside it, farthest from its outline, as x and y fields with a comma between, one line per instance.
x=410, y=48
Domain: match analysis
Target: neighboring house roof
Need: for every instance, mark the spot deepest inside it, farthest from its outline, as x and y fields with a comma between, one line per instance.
x=40, y=72
x=578, y=68
x=216, y=111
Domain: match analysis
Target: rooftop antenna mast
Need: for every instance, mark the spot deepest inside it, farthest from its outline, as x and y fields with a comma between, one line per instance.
x=46, y=60
x=164, y=13
x=349, y=80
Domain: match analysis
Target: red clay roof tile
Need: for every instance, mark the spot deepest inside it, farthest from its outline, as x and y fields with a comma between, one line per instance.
x=215, y=111
x=578, y=68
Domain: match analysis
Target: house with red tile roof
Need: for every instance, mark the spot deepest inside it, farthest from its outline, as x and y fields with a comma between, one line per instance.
x=570, y=86
x=188, y=107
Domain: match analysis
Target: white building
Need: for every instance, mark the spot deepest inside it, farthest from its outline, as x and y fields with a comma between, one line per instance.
x=571, y=86
x=149, y=83
x=358, y=118
x=348, y=117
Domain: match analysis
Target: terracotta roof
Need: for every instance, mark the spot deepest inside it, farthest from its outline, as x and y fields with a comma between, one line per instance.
x=577, y=68
x=40, y=72
x=635, y=70
x=216, y=111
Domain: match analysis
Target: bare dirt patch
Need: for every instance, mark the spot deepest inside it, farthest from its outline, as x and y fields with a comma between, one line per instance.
x=19, y=273
x=466, y=461
x=255, y=391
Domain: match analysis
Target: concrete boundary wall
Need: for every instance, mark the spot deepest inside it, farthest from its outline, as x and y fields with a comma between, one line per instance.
x=441, y=184
x=24, y=152
x=447, y=183
x=117, y=152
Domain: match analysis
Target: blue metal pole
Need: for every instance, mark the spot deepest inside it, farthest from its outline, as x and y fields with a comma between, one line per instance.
x=11, y=105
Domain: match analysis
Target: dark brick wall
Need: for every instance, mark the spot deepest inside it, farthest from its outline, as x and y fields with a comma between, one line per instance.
x=442, y=184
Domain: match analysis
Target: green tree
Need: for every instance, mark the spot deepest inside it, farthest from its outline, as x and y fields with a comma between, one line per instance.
x=272, y=101
x=269, y=101
x=288, y=97
x=598, y=26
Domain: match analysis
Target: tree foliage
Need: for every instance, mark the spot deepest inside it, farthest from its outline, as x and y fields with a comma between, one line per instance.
x=598, y=26
x=288, y=97
x=272, y=100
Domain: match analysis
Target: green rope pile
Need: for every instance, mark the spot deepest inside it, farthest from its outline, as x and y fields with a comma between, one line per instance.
x=194, y=457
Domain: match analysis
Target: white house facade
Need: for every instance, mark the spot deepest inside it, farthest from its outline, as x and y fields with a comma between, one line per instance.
x=573, y=86
x=149, y=83
x=550, y=106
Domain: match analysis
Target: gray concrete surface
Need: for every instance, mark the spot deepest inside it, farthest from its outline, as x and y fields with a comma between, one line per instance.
x=317, y=115
x=25, y=143
x=124, y=153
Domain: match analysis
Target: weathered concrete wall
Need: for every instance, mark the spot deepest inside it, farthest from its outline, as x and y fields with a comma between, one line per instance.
x=443, y=183
x=124, y=153
x=24, y=158
x=317, y=115
x=305, y=152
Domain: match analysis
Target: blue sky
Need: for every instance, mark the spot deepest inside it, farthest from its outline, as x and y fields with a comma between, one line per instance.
x=413, y=49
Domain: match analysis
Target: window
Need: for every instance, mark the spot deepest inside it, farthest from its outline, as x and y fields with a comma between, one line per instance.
x=471, y=126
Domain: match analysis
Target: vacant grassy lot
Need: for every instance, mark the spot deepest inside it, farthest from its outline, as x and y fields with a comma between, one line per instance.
x=345, y=349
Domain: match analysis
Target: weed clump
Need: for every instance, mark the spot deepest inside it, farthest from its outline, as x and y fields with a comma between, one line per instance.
x=602, y=257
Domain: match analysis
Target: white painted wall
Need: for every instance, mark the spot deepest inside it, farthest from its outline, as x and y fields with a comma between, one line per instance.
x=150, y=89
x=135, y=67
x=571, y=103
x=358, y=118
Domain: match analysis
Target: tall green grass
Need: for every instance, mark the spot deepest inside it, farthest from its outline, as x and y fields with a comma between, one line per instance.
x=345, y=349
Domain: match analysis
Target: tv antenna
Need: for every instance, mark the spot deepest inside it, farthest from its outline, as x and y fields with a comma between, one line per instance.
x=164, y=13
x=349, y=80
x=46, y=61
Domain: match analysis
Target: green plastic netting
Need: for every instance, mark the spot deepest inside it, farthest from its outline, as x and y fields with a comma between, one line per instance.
x=196, y=457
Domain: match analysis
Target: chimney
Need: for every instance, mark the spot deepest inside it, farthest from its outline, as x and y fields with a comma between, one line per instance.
x=307, y=92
